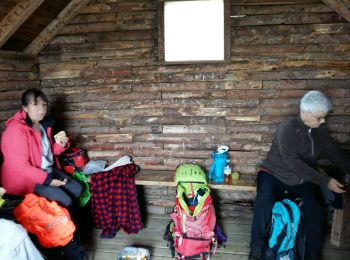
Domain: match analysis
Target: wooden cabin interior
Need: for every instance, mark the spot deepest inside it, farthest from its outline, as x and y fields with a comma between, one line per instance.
x=102, y=64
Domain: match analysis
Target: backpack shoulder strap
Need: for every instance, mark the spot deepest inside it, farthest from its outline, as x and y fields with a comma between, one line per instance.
x=280, y=220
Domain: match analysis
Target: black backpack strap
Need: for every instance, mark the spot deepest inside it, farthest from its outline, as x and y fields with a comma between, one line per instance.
x=168, y=237
x=280, y=238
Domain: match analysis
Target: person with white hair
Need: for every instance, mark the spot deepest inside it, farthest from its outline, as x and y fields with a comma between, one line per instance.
x=291, y=166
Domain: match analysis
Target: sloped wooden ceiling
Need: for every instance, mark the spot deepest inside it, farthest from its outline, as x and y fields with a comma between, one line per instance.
x=29, y=25
x=32, y=15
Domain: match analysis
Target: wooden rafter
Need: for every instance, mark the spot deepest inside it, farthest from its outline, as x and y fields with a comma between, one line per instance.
x=342, y=7
x=68, y=13
x=16, y=17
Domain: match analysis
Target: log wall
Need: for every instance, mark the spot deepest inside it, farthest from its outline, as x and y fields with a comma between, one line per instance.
x=17, y=73
x=113, y=97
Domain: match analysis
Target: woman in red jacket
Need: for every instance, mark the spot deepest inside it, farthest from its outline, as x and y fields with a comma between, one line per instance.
x=30, y=154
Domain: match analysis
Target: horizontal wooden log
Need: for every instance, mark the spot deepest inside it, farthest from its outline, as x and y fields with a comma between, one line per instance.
x=178, y=69
x=18, y=65
x=18, y=76
x=116, y=129
x=103, y=37
x=112, y=96
x=178, y=86
x=107, y=27
x=73, y=65
x=318, y=84
x=66, y=123
x=288, y=29
x=232, y=128
x=342, y=138
x=4, y=115
x=237, y=145
x=121, y=17
x=66, y=39
x=194, y=94
x=205, y=138
x=118, y=7
x=210, y=111
x=199, y=154
x=88, y=89
x=245, y=119
x=109, y=138
x=272, y=2
x=103, y=54
x=106, y=154
x=78, y=82
x=318, y=38
x=84, y=47
x=9, y=104
x=280, y=103
x=123, y=144
x=84, y=106
x=109, y=114
x=299, y=18
x=291, y=56
x=191, y=129
x=295, y=48
x=129, y=35
x=268, y=65
x=95, y=72
x=280, y=9
x=293, y=74
x=266, y=94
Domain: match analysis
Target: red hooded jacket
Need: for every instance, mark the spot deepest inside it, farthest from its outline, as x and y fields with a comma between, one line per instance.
x=21, y=149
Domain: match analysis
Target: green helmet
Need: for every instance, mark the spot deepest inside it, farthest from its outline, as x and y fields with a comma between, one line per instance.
x=189, y=172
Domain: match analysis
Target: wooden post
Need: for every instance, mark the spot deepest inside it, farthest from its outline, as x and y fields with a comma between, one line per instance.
x=341, y=224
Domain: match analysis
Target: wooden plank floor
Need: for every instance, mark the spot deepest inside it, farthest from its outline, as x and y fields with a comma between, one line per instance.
x=150, y=237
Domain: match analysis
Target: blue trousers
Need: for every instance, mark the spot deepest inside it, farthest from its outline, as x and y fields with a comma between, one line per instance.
x=270, y=190
x=65, y=195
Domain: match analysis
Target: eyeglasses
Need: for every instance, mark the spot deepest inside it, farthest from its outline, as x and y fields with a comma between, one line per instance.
x=319, y=118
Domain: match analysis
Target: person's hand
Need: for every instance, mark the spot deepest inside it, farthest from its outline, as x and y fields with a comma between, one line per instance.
x=335, y=186
x=63, y=141
x=58, y=183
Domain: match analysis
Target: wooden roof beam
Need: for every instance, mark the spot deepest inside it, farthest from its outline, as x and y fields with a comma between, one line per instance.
x=342, y=7
x=68, y=13
x=16, y=17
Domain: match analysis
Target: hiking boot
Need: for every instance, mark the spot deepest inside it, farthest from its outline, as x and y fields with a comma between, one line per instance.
x=254, y=254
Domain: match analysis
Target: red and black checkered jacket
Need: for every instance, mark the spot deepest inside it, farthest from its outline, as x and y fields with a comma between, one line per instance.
x=114, y=200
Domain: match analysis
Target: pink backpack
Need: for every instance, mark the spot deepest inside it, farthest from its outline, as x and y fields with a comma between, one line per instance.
x=192, y=229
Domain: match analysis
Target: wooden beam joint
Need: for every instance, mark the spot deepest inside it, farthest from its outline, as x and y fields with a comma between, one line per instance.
x=342, y=7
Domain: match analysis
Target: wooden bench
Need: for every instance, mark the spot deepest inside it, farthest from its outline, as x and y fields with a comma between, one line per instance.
x=166, y=178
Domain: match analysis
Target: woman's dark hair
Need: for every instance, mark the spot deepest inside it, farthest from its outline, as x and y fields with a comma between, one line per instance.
x=29, y=94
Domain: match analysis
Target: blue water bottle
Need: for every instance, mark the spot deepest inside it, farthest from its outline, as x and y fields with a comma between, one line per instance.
x=220, y=158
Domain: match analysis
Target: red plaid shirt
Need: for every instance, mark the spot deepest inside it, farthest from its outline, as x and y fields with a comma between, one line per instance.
x=114, y=200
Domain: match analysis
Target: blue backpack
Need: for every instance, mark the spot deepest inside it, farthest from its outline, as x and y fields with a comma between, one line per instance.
x=287, y=233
